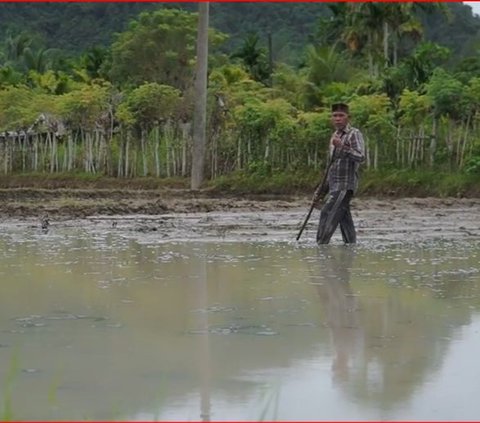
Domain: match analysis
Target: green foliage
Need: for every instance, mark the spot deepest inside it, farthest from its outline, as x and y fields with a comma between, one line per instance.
x=404, y=182
x=255, y=183
x=413, y=108
x=83, y=107
x=421, y=64
x=227, y=75
x=394, y=183
x=290, y=25
x=472, y=167
x=313, y=130
x=74, y=27
x=9, y=76
x=149, y=104
x=6, y=411
x=372, y=113
x=326, y=75
x=415, y=70
x=448, y=94
x=20, y=107
x=326, y=64
x=94, y=63
x=472, y=93
x=413, y=111
x=259, y=168
x=290, y=84
x=272, y=118
x=254, y=58
x=70, y=26
x=235, y=86
x=14, y=47
x=158, y=47
x=51, y=82
x=453, y=26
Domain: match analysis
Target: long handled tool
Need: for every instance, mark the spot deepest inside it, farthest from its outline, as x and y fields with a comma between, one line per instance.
x=321, y=186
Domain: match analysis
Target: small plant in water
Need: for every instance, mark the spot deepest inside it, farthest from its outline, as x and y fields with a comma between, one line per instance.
x=270, y=406
x=6, y=413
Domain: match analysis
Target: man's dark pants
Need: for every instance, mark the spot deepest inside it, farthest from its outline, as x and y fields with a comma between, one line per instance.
x=336, y=210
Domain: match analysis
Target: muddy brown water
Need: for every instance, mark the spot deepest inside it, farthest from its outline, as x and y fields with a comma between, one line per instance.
x=223, y=316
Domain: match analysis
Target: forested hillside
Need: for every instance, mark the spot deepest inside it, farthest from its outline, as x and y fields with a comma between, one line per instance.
x=69, y=26
x=73, y=27
x=108, y=88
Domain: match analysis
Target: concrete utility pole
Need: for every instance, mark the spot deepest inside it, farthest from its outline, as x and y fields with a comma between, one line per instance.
x=200, y=113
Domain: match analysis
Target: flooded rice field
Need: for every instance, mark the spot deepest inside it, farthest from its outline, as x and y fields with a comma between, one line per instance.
x=224, y=316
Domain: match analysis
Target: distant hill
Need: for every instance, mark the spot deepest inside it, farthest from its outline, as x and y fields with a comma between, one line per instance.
x=460, y=32
x=74, y=27
x=69, y=26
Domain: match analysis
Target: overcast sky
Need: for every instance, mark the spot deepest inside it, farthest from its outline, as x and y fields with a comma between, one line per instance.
x=475, y=5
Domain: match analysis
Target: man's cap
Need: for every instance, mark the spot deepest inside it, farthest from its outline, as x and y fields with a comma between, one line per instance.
x=340, y=107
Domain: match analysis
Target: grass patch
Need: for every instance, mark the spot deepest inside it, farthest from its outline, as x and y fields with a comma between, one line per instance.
x=89, y=181
x=277, y=184
x=408, y=183
x=382, y=183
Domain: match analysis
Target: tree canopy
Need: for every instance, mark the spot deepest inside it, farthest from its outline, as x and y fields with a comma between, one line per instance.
x=127, y=106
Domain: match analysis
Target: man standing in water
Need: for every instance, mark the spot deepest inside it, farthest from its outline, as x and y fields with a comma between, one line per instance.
x=347, y=151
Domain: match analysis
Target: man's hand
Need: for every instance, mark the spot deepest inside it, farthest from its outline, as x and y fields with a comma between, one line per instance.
x=318, y=196
x=337, y=141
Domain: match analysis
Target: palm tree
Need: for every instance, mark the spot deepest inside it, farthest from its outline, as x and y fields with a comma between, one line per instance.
x=253, y=58
x=399, y=20
x=15, y=45
x=364, y=31
x=93, y=60
x=326, y=64
x=36, y=59
x=330, y=28
x=377, y=28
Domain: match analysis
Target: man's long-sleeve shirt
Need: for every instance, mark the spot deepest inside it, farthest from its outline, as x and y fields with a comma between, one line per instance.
x=343, y=173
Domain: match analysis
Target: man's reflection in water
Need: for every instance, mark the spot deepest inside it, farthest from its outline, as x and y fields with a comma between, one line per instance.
x=385, y=346
x=331, y=278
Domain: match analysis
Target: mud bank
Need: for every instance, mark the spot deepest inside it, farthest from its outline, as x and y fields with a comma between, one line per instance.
x=182, y=215
x=66, y=203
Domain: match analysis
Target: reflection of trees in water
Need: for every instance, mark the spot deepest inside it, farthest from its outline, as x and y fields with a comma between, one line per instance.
x=387, y=342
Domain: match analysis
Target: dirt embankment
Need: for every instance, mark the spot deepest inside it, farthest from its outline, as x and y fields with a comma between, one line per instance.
x=67, y=196
x=181, y=214
x=79, y=203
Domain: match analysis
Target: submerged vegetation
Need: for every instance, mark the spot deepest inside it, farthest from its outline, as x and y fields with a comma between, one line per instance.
x=126, y=110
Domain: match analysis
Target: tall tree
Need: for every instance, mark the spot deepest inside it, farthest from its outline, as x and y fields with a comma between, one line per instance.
x=200, y=116
x=254, y=58
x=364, y=31
x=158, y=47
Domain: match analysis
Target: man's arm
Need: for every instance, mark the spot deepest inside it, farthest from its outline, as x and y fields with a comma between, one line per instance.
x=354, y=146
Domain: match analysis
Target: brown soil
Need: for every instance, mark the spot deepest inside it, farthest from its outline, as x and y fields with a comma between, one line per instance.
x=183, y=214
x=78, y=203
x=71, y=203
